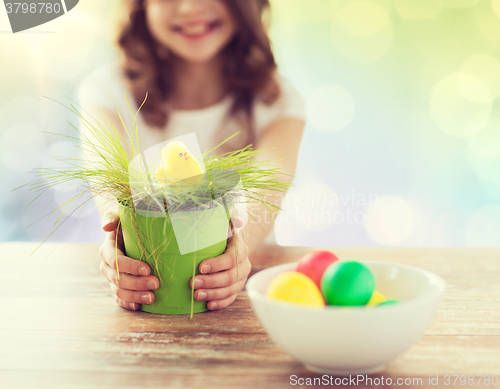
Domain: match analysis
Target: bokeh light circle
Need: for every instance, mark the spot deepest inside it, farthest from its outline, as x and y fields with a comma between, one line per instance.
x=287, y=233
x=361, y=18
x=361, y=31
x=390, y=220
x=460, y=104
x=21, y=147
x=495, y=5
x=311, y=206
x=488, y=161
x=459, y=3
x=330, y=108
x=300, y=11
x=421, y=9
x=486, y=21
x=430, y=226
x=487, y=69
x=483, y=155
x=57, y=157
x=483, y=227
x=24, y=109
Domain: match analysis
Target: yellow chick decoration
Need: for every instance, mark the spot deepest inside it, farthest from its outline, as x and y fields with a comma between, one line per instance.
x=177, y=163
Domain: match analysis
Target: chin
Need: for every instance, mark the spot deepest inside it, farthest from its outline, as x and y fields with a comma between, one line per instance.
x=198, y=56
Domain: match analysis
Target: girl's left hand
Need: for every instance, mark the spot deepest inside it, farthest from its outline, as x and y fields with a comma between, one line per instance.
x=223, y=277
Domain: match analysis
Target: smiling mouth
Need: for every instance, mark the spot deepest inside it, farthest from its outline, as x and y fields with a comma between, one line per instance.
x=196, y=30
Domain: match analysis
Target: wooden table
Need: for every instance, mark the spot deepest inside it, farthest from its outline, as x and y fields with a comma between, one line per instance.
x=61, y=328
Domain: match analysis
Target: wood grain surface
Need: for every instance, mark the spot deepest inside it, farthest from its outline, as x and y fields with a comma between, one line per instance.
x=61, y=328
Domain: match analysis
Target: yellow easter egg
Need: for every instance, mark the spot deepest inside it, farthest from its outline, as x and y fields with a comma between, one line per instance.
x=377, y=298
x=295, y=287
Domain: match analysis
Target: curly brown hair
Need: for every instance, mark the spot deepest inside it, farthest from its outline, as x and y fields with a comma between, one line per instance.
x=249, y=66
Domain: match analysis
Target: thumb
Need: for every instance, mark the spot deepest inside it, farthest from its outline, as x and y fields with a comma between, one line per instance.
x=110, y=221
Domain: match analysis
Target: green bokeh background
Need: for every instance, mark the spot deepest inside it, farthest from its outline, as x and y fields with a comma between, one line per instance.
x=402, y=144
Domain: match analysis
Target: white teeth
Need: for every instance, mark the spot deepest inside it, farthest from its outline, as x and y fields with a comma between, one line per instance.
x=196, y=30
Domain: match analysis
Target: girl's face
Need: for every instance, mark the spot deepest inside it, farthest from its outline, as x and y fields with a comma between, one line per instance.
x=194, y=30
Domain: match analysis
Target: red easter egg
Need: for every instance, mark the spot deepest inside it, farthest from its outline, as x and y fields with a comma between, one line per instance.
x=315, y=263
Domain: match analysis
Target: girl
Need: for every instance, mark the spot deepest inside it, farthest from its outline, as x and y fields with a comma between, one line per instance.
x=208, y=68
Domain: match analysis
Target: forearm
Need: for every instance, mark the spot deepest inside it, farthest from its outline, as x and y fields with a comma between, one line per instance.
x=281, y=144
x=259, y=225
x=261, y=218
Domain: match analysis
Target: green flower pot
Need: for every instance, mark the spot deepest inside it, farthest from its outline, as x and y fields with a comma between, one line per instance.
x=150, y=238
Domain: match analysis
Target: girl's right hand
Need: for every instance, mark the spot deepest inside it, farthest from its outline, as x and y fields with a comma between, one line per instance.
x=135, y=282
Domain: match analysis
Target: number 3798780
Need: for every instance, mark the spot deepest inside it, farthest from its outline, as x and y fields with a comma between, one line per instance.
x=33, y=8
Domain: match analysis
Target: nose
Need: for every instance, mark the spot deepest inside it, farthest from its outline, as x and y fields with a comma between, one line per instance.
x=188, y=7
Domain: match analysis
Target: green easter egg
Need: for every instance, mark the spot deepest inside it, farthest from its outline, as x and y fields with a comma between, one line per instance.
x=388, y=302
x=347, y=283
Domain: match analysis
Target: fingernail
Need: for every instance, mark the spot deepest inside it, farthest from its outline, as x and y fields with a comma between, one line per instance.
x=151, y=284
x=146, y=298
x=132, y=305
x=214, y=306
x=202, y=295
x=205, y=269
x=107, y=220
x=143, y=271
x=198, y=283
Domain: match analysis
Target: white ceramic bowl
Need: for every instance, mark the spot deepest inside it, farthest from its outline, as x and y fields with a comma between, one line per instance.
x=351, y=340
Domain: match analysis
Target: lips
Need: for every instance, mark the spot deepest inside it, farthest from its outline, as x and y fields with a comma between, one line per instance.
x=198, y=29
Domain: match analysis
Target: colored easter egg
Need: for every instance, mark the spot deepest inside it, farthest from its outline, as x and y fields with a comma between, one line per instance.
x=347, y=283
x=388, y=302
x=295, y=288
x=377, y=298
x=315, y=263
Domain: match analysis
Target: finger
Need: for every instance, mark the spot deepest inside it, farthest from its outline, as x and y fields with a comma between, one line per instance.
x=221, y=304
x=125, y=264
x=110, y=221
x=220, y=279
x=126, y=304
x=224, y=261
x=128, y=281
x=239, y=217
x=119, y=238
x=218, y=293
x=115, y=238
x=133, y=296
x=214, y=280
x=234, y=227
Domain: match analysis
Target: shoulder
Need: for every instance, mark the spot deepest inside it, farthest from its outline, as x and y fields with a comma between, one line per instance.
x=289, y=104
x=104, y=87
